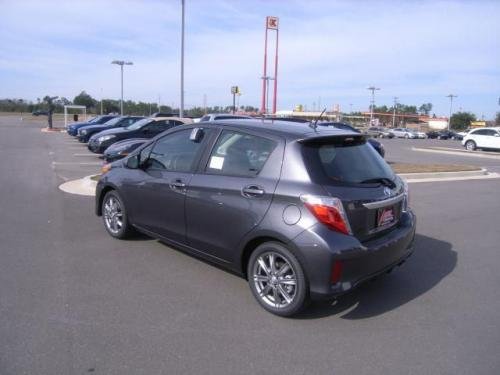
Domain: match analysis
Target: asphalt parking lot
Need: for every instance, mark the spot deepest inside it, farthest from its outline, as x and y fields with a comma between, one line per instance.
x=75, y=301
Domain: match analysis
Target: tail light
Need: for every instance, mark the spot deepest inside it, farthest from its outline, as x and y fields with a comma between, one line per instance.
x=406, y=199
x=328, y=211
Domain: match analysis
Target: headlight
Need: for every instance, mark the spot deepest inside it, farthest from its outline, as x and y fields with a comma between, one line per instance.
x=83, y=131
x=105, y=138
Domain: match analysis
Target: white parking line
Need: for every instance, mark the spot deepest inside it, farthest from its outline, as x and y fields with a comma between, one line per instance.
x=93, y=155
x=446, y=179
x=75, y=163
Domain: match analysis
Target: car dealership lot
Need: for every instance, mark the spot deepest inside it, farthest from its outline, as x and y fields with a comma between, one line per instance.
x=74, y=300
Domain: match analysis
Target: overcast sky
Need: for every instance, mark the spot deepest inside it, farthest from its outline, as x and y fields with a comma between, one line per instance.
x=330, y=51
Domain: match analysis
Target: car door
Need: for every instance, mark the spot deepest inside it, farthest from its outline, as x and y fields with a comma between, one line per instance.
x=480, y=137
x=490, y=138
x=232, y=191
x=495, y=140
x=157, y=196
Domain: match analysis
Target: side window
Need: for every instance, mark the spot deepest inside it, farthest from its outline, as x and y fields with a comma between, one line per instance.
x=490, y=132
x=205, y=118
x=480, y=132
x=175, y=152
x=239, y=154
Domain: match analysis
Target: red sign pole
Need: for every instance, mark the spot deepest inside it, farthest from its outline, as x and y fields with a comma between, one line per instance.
x=275, y=74
x=263, y=108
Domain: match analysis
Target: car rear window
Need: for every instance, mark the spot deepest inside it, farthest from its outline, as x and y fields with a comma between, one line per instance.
x=345, y=161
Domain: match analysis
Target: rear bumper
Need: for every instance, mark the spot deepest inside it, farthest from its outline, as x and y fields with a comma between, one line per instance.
x=321, y=248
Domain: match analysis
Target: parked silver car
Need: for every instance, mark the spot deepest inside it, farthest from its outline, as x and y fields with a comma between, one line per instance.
x=403, y=133
x=379, y=132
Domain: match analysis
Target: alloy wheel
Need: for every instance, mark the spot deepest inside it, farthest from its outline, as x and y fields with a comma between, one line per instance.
x=113, y=215
x=274, y=279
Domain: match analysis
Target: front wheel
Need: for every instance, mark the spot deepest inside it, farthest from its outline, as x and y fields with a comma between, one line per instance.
x=407, y=136
x=470, y=145
x=277, y=279
x=115, y=216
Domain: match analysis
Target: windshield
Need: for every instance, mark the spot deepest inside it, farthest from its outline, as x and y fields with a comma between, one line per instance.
x=139, y=124
x=113, y=121
x=348, y=162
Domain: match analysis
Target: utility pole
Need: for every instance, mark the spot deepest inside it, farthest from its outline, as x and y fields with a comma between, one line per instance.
x=394, y=111
x=205, y=104
x=372, y=105
x=121, y=63
x=451, y=96
x=181, y=109
x=101, y=101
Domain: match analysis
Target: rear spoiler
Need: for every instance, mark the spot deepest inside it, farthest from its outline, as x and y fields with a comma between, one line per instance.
x=354, y=138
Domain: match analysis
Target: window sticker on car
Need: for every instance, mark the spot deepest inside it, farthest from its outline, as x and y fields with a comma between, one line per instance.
x=216, y=162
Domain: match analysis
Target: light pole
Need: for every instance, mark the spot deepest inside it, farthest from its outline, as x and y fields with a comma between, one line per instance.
x=394, y=111
x=181, y=109
x=266, y=79
x=451, y=96
x=372, y=89
x=121, y=63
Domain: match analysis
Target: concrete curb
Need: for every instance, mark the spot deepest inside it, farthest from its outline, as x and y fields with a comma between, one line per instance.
x=474, y=154
x=83, y=186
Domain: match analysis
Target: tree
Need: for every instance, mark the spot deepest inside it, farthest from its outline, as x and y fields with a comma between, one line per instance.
x=461, y=120
x=497, y=119
x=85, y=99
x=425, y=109
x=49, y=100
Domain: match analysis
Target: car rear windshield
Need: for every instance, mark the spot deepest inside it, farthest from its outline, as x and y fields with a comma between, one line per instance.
x=346, y=160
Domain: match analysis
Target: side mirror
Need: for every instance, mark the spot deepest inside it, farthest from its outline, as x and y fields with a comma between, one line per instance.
x=133, y=162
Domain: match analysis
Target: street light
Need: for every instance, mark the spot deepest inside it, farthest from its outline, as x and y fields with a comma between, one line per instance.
x=451, y=96
x=121, y=63
x=372, y=89
x=394, y=111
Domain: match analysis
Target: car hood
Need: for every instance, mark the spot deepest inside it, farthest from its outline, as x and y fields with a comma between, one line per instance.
x=113, y=131
x=95, y=127
x=126, y=143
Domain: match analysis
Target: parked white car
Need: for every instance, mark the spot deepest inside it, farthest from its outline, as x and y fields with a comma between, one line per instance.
x=403, y=133
x=484, y=138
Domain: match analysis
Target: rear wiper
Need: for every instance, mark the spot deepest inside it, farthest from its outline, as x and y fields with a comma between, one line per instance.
x=381, y=180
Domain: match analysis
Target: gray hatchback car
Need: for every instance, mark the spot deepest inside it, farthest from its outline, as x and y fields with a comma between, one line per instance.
x=301, y=212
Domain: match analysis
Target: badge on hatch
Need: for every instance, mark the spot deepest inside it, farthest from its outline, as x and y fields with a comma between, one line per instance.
x=385, y=216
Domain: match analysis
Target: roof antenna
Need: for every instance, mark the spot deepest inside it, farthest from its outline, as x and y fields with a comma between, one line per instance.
x=315, y=125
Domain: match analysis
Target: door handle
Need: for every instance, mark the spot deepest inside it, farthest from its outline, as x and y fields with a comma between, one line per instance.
x=177, y=184
x=252, y=191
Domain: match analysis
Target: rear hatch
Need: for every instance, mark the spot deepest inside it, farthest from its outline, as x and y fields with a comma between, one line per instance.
x=351, y=170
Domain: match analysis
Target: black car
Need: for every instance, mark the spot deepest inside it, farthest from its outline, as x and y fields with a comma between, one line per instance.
x=300, y=213
x=40, y=112
x=98, y=120
x=145, y=128
x=444, y=134
x=85, y=132
x=119, y=150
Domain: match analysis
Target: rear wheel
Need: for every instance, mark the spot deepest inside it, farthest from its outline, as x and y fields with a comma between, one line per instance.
x=407, y=136
x=277, y=279
x=115, y=216
x=470, y=145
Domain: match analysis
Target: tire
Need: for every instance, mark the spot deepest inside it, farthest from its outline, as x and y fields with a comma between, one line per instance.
x=114, y=216
x=470, y=145
x=407, y=136
x=276, y=293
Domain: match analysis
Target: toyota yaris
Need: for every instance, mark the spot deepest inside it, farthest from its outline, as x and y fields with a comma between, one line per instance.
x=301, y=212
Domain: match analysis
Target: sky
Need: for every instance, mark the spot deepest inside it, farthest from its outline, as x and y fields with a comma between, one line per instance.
x=329, y=51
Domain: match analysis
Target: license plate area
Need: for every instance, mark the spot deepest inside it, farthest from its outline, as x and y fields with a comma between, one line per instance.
x=386, y=216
